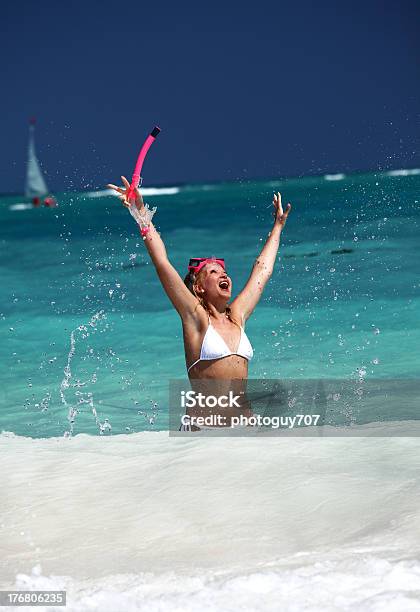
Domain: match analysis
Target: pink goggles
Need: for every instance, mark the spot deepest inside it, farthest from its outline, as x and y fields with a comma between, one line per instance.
x=196, y=263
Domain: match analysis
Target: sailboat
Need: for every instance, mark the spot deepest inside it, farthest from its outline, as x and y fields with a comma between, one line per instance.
x=36, y=188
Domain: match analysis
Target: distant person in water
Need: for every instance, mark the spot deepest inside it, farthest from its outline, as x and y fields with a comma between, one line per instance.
x=49, y=202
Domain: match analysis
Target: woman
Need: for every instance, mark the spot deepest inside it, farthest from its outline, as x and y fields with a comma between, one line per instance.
x=216, y=346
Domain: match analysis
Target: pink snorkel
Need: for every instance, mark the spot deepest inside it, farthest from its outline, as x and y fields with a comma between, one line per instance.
x=135, y=181
x=144, y=215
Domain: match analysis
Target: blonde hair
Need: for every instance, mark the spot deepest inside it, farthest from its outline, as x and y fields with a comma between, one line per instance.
x=190, y=280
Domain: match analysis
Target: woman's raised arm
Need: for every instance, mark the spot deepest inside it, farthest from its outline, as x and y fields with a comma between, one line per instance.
x=183, y=300
x=250, y=295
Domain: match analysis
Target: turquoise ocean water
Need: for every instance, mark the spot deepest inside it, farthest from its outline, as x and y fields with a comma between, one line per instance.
x=89, y=336
x=141, y=520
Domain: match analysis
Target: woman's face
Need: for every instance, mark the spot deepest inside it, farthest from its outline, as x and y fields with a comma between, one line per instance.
x=213, y=283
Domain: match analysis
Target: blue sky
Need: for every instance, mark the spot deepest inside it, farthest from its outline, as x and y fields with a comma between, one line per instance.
x=264, y=90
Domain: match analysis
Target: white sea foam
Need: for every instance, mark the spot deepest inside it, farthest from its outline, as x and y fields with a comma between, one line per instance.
x=334, y=177
x=362, y=581
x=146, y=191
x=148, y=522
x=408, y=172
x=20, y=206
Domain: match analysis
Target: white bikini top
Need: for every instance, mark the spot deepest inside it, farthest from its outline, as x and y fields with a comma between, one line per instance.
x=214, y=347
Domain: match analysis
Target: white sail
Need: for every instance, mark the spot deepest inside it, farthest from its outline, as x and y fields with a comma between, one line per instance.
x=35, y=182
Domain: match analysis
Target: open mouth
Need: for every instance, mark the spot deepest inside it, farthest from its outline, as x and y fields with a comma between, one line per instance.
x=224, y=285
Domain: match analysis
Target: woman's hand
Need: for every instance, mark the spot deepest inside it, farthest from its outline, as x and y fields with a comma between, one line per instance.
x=122, y=191
x=279, y=214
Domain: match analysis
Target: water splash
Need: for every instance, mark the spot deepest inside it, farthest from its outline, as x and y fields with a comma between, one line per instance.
x=83, y=397
x=143, y=216
x=45, y=402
